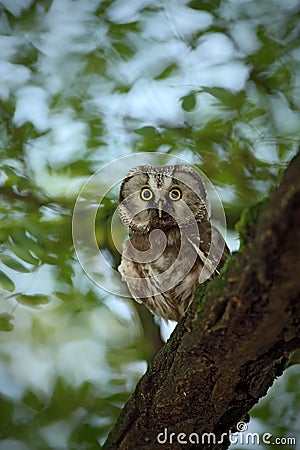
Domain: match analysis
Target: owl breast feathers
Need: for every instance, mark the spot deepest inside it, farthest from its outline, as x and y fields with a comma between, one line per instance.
x=173, y=246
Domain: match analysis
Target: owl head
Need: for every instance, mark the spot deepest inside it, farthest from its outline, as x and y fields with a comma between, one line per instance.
x=161, y=197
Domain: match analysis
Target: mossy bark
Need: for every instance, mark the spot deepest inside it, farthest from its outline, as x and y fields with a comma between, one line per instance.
x=232, y=343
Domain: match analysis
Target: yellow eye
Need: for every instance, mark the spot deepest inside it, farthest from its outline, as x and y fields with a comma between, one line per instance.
x=146, y=194
x=175, y=194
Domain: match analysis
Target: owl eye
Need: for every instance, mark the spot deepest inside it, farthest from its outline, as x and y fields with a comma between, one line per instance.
x=146, y=194
x=175, y=194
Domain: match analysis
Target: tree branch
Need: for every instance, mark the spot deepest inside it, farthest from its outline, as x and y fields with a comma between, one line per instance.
x=233, y=342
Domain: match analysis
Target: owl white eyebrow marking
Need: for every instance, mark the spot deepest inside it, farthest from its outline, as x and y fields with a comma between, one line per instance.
x=154, y=181
x=167, y=182
x=159, y=181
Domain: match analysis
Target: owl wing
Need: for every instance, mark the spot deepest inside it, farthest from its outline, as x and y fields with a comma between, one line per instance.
x=219, y=242
x=125, y=267
x=212, y=259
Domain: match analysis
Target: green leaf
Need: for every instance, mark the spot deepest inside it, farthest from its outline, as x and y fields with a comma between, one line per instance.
x=147, y=132
x=210, y=5
x=32, y=300
x=62, y=295
x=226, y=97
x=167, y=72
x=189, y=102
x=5, y=324
x=6, y=282
x=23, y=253
x=20, y=238
x=13, y=264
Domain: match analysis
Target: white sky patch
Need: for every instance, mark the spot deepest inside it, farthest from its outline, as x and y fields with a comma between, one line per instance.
x=79, y=31
x=125, y=12
x=60, y=78
x=16, y=7
x=232, y=240
x=148, y=61
x=57, y=185
x=32, y=105
x=8, y=385
x=155, y=102
x=72, y=343
x=9, y=46
x=12, y=76
x=68, y=29
x=152, y=102
x=213, y=63
x=39, y=154
x=34, y=365
x=40, y=280
x=148, y=101
x=166, y=328
x=90, y=356
x=215, y=48
x=245, y=36
x=267, y=151
x=286, y=119
x=187, y=154
x=232, y=75
x=64, y=143
x=288, y=4
x=295, y=85
x=58, y=433
x=175, y=21
x=226, y=193
x=68, y=136
x=121, y=307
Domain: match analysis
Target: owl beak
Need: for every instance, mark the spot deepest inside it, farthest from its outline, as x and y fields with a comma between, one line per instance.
x=160, y=204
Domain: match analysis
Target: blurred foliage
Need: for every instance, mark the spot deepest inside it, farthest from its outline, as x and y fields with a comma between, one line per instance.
x=83, y=83
x=278, y=413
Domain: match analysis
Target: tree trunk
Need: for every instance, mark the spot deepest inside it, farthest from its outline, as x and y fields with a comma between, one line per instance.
x=233, y=342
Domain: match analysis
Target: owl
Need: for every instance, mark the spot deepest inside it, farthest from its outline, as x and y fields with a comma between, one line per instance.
x=172, y=245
